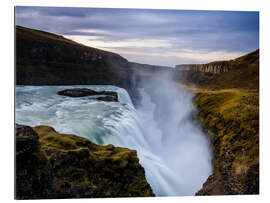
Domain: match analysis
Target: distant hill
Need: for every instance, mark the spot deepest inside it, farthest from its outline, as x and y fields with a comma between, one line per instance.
x=242, y=72
x=44, y=58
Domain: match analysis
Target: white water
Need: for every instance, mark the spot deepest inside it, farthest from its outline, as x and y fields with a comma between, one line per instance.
x=173, y=151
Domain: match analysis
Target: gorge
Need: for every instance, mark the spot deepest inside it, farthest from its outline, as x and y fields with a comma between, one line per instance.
x=120, y=124
x=153, y=114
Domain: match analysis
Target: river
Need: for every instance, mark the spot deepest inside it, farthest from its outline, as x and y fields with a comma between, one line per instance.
x=171, y=147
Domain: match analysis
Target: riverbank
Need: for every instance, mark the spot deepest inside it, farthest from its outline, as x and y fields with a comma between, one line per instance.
x=231, y=118
x=119, y=123
x=226, y=94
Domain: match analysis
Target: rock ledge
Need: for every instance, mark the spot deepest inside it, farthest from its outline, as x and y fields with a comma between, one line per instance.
x=51, y=165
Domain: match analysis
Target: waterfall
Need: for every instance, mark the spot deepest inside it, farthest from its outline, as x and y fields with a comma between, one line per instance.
x=173, y=151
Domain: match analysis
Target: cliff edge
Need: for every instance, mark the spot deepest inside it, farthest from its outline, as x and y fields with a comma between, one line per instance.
x=242, y=72
x=44, y=58
x=53, y=165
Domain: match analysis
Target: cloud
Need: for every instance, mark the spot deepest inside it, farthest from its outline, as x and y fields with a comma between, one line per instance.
x=131, y=43
x=165, y=34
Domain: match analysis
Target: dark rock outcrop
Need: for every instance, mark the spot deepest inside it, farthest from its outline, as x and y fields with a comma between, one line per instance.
x=82, y=92
x=43, y=58
x=54, y=165
x=78, y=92
x=108, y=99
x=33, y=169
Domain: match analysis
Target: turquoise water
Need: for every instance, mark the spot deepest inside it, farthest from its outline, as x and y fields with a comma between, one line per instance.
x=177, y=166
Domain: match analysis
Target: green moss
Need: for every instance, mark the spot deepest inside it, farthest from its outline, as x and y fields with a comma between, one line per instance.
x=78, y=168
x=232, y=117
x=243, y=73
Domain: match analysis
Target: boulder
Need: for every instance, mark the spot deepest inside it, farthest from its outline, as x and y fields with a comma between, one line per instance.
x=77, y=92
x=108, y=99
x=82, y=92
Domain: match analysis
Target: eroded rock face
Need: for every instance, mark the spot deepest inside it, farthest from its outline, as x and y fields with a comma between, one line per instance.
x=82, y=92
x=214, y=67
x=242, y=72
x=67, y=166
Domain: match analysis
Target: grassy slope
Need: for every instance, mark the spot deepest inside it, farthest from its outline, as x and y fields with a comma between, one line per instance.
x=231, y=117
x=243, y=73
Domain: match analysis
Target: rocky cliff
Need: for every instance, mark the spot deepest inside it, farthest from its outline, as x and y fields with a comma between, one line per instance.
x=214, y=67
x=242, y=72
x=47, y=59
x=53, y=165
x=227, y=99
x=44, y=58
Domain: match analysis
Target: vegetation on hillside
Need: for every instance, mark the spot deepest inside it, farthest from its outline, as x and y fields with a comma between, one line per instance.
x=54, y=165
x=243, y=73
x=228, y=107
x=231, y=117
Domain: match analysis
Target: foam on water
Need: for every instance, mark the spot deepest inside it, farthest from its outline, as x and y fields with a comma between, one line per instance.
x=120, y=124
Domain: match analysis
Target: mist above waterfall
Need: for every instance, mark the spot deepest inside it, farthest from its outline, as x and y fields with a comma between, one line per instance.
x=166, y=110
x=174, y=152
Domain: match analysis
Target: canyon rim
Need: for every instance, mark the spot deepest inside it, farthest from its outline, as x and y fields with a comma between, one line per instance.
x=135, y=102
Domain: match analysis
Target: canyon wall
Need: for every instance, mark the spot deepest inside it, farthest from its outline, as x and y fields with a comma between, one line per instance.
x=214, y=67
x=242, y=72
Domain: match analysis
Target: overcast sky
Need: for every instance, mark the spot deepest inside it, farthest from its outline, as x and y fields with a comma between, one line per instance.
x=161, y=37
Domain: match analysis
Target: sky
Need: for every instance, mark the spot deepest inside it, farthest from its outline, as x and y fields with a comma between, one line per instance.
x=158, y=37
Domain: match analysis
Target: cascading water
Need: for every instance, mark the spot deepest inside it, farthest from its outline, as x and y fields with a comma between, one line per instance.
x=175, y=154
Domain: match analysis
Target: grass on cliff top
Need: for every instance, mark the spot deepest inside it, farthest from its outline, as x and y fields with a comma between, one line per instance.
x=39, y=35
x=244, y=77
x=51, y=139
x=243, y=73
x=83, y=168
x=232, y=117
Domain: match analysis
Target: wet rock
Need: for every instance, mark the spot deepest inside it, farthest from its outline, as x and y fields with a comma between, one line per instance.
x=82, y=92
x=77, y=92
x=108, y=99
x=44, y=58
